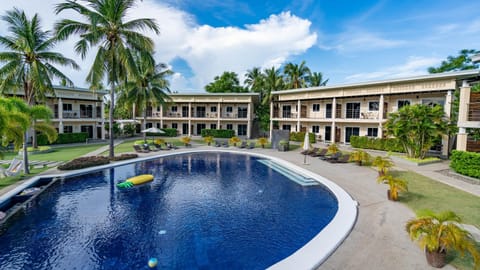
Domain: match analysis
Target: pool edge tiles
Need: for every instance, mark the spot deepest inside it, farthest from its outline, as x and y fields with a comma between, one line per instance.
x=311, y=255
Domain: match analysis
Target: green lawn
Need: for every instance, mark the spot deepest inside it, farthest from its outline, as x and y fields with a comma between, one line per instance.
x=7, y=181
x=60, y=153
x=425, y=193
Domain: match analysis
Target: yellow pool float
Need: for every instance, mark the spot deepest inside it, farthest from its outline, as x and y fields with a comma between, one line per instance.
x=137, y=180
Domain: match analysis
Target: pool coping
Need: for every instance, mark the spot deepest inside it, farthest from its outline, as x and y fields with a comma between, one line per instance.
x=310, y=256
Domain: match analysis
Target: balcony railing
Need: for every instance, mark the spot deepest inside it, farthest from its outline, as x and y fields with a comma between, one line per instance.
x=77, y=114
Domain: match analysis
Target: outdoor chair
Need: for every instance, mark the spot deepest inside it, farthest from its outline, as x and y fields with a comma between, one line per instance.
x=139, y=149
x=225, y=144
x=171, y=146
x=147, y=148
x=334, y=156
x=251, y=145
x=342, y=159
x=309, y=151
x=218, y=143
x=320, y=153
x=243, y=145
x=14, y=168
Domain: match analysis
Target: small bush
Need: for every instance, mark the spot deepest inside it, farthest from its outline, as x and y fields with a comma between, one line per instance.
x=300, y=137
x=84, y=162
x=169, y=132
x=218, y=133
x=64, y=138
x=466, y=163
x=383, y=144
x=124, y=157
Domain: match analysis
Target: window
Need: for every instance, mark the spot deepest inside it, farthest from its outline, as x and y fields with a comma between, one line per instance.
x=229, y=109
x=351, y=131
x=372, y=132
x=242, y=112
x=67, y=107
x=402, y=103
x=373, y=106
x=174, y=109
x=286, y=127
x=213, y=109
x=353, y=110
x=328, y=111
x=175, y=125
x=229, y=126
x=328, y=133
x=158, y=108
x=433, y=102
x=286, y=111
x=67, y=129
x=149, y=125
x=213, y=126
x=242, y=130
x=158, y=125
x=316, y=129
x=316, y=107
x=201, y=112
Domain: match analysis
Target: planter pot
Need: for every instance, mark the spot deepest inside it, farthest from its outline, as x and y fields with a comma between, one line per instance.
x=358, y=162
x=390, y=197
x=436, y=259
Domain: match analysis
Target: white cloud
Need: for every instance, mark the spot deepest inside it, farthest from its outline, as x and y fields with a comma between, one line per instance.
x=359, y=40
x=413, y=67
x=209, y=51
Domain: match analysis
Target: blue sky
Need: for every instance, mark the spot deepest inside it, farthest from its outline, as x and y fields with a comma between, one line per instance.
x=348, y=41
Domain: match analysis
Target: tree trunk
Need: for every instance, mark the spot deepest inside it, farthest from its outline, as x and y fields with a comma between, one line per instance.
x=34, y=136
x=110, y=115
x=436, y=259
x=26, y=168
x=145, y=124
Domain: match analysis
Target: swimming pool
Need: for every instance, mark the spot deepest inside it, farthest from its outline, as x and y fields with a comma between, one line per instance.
x=203, y=210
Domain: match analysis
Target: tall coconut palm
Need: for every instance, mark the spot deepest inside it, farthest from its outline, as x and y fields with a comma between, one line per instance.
x=29, y=62
x=273, y=82
x=296, y=75
x=254, y=80
x=147, y=85
x=116, y=39
x=315, y=79
x=12, y=122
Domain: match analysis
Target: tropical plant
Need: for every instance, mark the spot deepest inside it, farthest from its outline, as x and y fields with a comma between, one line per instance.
x=208, y=139
x=417, y=127
x=234, y=140
x=360, y=157
x=273, y=82
x=333, y=149
x=228, y=82
x=29, y=63
x=159, y=141
x=146, y=86
x=316, y=79
x=383, y=164
x=262, y=141
x=255, y=80
x=461, y=62
x=116, y=39
x=186, y=140
x=296, y=75
x=437, y=233
x=395, y=185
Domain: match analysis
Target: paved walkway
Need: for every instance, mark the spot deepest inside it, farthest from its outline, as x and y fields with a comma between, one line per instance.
x=378, y=239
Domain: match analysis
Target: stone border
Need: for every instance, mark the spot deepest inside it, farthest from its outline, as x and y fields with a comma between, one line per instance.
x=310, y=256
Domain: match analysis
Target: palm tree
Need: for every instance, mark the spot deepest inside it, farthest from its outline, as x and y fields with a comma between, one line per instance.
x=273, y=82
x=29, y=63
x=147, y=85
x=12, y=122
x=115, y=38
x=440, y=232
x=383, y=164
x=254, y=80
x=296, y=75
x=395, y=185
x=315, y=79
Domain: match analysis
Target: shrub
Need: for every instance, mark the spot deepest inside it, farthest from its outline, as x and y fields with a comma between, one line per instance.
x=218, y=133
x=466, y=163
x=64, y=138
x=169, y=132
x=84, y=162
x=124, y=157
x=129, y=129
x=300, y=137
x=384, y=144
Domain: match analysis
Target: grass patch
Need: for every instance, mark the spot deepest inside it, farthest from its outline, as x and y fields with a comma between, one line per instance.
x=7, y=181
x=420, y=161
x=425, y=193
x=60, y=153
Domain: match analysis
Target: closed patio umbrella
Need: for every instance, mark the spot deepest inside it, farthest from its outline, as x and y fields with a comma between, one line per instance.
x=306, y=146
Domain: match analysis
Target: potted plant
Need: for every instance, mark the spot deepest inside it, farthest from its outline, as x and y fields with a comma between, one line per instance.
x=262, y=141
x=438, y=233
x=186, y=140
x=208, y=140
x=383, y=164
x=333, y=149
x=234, y=140
x=360, y=157
x=283, y=145
x=395, y=185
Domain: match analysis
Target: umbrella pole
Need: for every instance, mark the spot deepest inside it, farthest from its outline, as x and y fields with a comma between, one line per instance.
x=305, y=159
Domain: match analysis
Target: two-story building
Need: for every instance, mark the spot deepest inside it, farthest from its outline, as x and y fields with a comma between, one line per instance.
x=335, y=113
x=190, y=113
x=76, y=110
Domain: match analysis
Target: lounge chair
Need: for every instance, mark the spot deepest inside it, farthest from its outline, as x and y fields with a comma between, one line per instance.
x=309, y=151
x=320, y=153
x=147, y=148
x=225, y=144
x=331, y=157
x=243, y=145
x=171, y=146
x=342, y=159
x=251, y=145
x=14, y=168
x=139, y=149
x=218, y=143
x=157, y=147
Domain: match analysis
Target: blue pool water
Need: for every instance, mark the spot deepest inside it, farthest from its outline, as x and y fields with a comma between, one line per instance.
x=202, y=211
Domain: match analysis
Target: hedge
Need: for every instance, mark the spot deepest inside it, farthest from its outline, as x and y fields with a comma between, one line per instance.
x=300, y=136
x=218, y=133
x=466, y=163
x=169, y=132
x=63, y=138
x=384, y=144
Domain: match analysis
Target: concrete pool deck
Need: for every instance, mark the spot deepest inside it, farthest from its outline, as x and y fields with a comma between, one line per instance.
x=378, y=239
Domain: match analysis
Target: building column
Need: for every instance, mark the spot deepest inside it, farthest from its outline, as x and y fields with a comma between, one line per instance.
x=219, y=113
x=161, y=116
x=299, y=109
x=448, y=110
x=249, y=122
x=381, y=107
x=189, y=119
x=334, y=115
x=60, y=115
x=271, y=119
x=103, y=121
x=464, y=100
